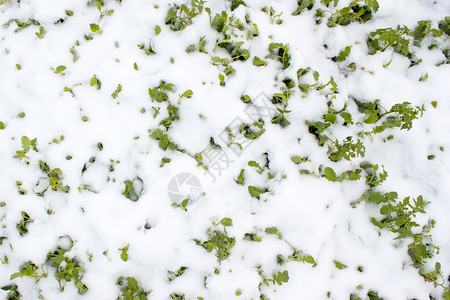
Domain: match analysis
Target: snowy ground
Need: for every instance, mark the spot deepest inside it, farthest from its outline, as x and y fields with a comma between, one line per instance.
x=129, y=150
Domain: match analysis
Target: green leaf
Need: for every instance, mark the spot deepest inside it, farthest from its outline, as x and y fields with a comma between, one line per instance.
x=347, y=117
x=386, y=209
x=259, y=62
x=226, y=222
x=272, y=230
x=157, y=30
x=94, y=27
x=339, y=265
x=16, y=275
x=187, y=94
x=26, y=143
x=60, y=69
x=240, y=179
x=371, y=119
x=2, y=125
x=310, y=260
x=282, y=277
x=124, y=254
x=94, y=81
x=254, y=191
x=330, y=175
x=297, y=159
x=373, y=4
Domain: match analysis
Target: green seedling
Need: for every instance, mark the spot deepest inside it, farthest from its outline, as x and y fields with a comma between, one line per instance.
x=353, y=13
x=27, y=144
x=342, y=55
x=273, y=15
x=259, y=62
x=348, y=150
x=131, y=289
x=171, y=275
x=339, y=265
x=40, y=34
x=131, y=192
x=55, y=179
x=373, y=178
x=252, y=237
x=95, y=82
x=13, y=292
x=67, y=270
x=218, y=240
x=303, y=5
x=381, y=39
x=124, y=253
x=183, y=204
x=256, y=165
x=29, y=270
x=180, y=16
x=163, y=140
x=277, y=278
x=252, y=131
x=115, y=94
x=236, y=3
x=280, y=52
x=59, y=69
x=148, y=50
x=240, y=179
x=22, y=226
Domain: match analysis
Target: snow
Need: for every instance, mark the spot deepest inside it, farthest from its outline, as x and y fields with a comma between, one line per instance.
x=327, y=220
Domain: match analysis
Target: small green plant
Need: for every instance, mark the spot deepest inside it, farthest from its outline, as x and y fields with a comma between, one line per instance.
x=13, y=292
x=259, y=62
x=277, y=278
x=95, y=82
x=27, y=144
x=29, y=269
x=342, y=55
x=240, y=179
x=252, y=131
x=353, y=13
x=424, y=29
x=399, y=115
x=40, y=34
x=115, y=94
x=183, y=204
x=67, y=270
x=131, y=289
x=171, y=275
x=22, y=226
x=59, y=69
x=347, y=150
x=281, y=52
x=297, y=255
x=339, y=265
x=148, y=50
x=218, y=240
x=163, y=140
x=131, y=192
x=180, y=16
x=381, y=39
x=124, y=253
x=273, y=15
x=256, y=165
x=256, y=192
x=55, y=179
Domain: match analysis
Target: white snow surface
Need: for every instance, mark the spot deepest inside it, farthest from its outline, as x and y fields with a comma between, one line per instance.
x=319, y=217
